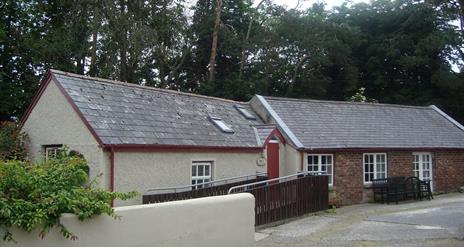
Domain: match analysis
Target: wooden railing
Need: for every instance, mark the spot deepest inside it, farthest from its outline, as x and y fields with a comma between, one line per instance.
x=283, y=200
x=216, y=190
x=274, y=200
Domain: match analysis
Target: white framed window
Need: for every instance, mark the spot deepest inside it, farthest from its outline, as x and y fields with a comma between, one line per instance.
x=52, y=151
x=321, y=163
x=221, y=125
x=422, y=166
x=245, y=112
x=375, y=166
x=201, y=173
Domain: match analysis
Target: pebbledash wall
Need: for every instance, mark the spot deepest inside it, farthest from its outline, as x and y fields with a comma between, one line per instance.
x=54, y=121
x=447, y=169
x=226, y=221
x=140, y=171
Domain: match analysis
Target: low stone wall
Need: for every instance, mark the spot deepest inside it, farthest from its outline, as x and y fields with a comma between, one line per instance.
x=212, y=221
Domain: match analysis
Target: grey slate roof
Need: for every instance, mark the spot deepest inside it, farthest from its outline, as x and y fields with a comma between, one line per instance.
x=332, y=124
x=263, y=131
x=122, y=113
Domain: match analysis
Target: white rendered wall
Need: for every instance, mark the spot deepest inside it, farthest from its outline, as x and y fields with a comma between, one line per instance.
x=139, y=171
x=292, y=160
x=54, y=121
x=226, y=221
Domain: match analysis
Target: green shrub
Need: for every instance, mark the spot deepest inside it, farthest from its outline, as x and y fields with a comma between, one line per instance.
x=33, y=196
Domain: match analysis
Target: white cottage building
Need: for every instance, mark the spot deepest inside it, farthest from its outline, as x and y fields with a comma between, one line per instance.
x=142, y=137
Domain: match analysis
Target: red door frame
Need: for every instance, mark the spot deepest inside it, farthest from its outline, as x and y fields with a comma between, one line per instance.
x=273, y=159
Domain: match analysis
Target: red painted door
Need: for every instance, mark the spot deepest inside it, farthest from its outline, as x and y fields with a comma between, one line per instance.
x=273, y=160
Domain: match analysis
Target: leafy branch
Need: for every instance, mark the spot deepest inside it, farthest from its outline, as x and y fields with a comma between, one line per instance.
x=34, y=196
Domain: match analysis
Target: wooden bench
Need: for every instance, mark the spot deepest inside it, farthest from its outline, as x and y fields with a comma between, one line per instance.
x=396, y=189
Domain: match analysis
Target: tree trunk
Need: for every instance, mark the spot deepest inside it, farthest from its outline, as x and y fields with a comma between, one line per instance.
x=93, y=56
x=93, y=52
x=217, y=21
x=123, y=42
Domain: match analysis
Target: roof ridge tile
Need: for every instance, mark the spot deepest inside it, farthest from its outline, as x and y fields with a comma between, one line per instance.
x=346, y=102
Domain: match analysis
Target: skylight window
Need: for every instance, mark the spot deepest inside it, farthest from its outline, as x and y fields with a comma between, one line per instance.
x=221, y=125
x=245, y=112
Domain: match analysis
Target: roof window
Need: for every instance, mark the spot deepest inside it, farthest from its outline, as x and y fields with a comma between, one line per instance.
x=221, y=125
x=245, y=112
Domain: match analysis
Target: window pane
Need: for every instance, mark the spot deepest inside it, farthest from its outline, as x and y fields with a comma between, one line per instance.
x=329, y=159
x=323, y=160
x=425, y=157
x=194, y=171
x=223, y=126
x=316, y=160
x=310, y=160
x=200, y=170
x=207, y=171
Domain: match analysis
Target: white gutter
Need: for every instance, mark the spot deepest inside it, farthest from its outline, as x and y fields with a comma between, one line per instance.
x=447, y=117
x=279, y=122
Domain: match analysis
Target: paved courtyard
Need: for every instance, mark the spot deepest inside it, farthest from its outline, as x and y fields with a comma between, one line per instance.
x=439, y=222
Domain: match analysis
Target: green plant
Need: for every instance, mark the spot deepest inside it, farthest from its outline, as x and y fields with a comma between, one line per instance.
x=331, y=210
x=34, y=196
x=12, y=142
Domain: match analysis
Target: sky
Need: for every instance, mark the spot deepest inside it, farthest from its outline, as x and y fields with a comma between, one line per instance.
x=307, y=3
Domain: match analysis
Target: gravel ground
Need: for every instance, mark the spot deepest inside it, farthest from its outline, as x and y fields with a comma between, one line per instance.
x=439, y=222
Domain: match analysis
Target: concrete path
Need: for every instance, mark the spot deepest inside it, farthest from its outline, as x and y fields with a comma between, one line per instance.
x=439, y=222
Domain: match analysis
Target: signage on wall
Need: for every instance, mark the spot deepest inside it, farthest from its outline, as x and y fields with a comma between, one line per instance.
x=261, y=161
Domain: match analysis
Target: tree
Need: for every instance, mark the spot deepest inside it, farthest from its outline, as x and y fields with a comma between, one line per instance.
x=305, y=55
x=12, y=142
x=400, y=51
x=406, y=47
x=35, y=36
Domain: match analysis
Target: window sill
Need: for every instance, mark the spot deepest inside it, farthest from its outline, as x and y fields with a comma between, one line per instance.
x=367, y=185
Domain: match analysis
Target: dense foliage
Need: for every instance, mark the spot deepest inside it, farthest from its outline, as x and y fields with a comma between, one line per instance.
x=33, y=196
x=398, y=51
x=12, y=142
